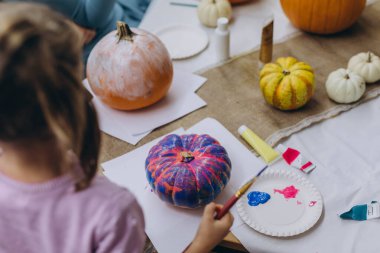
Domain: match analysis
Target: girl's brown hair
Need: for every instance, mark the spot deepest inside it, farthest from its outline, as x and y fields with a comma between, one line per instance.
x=41, y=93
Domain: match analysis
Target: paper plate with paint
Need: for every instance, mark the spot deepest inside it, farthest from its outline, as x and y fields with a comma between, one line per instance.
x=183, y=41
x=281, y=203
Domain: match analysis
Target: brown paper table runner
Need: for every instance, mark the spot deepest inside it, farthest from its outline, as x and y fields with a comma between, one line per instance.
x=233, y=96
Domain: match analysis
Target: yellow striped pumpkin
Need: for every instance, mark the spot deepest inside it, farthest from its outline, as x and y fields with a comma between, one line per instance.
x=287, y=84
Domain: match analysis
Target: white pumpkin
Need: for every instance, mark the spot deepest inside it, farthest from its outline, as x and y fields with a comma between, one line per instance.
x=210, y=10
x=345, y=86
x=366, y=65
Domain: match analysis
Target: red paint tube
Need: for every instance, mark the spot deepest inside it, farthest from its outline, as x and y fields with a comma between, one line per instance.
x=295, y=159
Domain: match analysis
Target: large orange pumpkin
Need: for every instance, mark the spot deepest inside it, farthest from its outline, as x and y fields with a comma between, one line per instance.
x=129, y=69
x=323, y=16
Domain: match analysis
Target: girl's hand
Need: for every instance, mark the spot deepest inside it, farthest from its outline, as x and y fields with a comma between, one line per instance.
x=210, y=231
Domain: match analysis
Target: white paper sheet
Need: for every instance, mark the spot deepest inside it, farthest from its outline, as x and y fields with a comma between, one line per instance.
x=132, y=126
x=169, y=228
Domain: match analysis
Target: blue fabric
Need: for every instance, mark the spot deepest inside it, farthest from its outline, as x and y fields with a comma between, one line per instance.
x=100, y=15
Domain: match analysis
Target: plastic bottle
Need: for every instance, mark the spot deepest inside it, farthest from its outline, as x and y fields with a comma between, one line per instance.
x=222, y=40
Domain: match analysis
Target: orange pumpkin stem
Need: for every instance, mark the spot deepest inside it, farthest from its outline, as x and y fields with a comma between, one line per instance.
x=124, y=32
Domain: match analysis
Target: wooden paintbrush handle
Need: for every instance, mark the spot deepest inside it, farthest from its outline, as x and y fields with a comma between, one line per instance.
x=226, y=207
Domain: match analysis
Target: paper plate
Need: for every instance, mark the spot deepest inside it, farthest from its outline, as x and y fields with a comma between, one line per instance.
x=183, y=41
x=282, y=215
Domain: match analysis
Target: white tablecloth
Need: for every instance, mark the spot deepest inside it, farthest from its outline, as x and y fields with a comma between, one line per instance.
x=346, y=150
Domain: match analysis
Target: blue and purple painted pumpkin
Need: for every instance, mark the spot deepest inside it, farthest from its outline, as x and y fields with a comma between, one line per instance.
x=189, y=170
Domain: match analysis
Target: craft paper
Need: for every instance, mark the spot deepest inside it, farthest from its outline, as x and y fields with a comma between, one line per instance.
x=132, y=126
x=161, y=218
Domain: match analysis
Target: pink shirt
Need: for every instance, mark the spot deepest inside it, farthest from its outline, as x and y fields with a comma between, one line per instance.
x=52, y=218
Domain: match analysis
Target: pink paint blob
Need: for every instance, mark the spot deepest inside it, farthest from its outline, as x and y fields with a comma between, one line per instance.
x=288, y=192
x=312, y=203
x=299, y=202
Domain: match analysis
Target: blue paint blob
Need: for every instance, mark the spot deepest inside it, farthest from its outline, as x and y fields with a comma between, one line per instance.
x=256, y=198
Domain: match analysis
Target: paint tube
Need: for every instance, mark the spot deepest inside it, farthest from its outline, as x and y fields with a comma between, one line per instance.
x=363, y=212
x=294, y=158
x=266, y=47
x=261, y=147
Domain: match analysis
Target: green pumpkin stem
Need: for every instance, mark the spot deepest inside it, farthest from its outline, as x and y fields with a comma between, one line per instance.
x=369, y=57
x=124, y=32
x=187, y=157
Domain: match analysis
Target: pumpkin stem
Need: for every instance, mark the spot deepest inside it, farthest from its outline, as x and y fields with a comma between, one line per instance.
x=346, y=76
x=187, y=157
x=124, y=32
x=286, y=72
x=369, y=57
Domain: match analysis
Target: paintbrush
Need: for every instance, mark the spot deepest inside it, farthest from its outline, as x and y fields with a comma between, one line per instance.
x=227, y=206
x=183, y=4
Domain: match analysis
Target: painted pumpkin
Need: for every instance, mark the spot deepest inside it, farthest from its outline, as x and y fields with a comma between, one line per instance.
x=323, y=16
x=189, y=170
x=287, y=84
x=129, y=69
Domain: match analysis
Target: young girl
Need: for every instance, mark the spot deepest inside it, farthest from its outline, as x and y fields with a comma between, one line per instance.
x=51, y=199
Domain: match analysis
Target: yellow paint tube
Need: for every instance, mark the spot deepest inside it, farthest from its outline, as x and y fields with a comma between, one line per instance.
x=260, y=146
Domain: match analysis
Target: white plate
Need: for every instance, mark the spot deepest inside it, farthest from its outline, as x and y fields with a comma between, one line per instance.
x=282, y=216
x=183, y=41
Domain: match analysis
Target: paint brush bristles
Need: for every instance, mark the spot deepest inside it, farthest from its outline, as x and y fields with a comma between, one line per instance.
x=246, y=186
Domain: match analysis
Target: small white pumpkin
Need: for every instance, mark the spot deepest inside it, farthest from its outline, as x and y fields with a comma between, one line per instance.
x=366, y=65
x=345, y=86
x=210, y=10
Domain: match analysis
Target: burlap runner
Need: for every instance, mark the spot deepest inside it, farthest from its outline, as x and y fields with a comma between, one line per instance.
x=233, y=96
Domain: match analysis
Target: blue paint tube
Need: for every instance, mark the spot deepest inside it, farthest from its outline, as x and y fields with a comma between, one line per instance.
x=363, y=212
